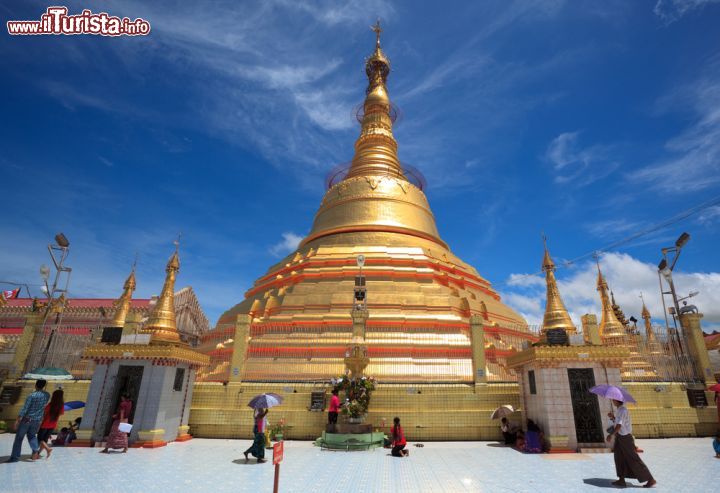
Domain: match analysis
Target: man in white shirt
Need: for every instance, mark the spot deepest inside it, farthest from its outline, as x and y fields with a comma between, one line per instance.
x=627, y=461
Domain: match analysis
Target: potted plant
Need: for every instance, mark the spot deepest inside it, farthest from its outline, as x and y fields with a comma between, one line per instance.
x=277, y=432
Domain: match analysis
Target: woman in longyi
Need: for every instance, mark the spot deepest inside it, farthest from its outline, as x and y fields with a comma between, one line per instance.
x=118, y=439
x=628, y=463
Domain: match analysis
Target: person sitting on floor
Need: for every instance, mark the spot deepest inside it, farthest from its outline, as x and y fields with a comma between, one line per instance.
x=533, y=438
x=508, y=431
x=398, y=440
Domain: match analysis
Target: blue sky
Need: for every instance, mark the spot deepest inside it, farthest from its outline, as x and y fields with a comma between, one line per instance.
x=589, y=121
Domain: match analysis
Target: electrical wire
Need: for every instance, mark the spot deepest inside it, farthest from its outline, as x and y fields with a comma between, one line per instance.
x=624, y=241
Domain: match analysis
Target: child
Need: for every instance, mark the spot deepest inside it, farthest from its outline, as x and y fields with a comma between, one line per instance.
x=74, y=426
x=716, y=445
x=62, y=437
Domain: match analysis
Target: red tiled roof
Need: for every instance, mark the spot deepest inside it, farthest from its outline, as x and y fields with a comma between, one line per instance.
x=82, y=302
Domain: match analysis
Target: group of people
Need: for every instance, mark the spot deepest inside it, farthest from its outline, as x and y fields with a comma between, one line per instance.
x=628, y=463
x=39, y=417
x=36, y=421
x=531, y=441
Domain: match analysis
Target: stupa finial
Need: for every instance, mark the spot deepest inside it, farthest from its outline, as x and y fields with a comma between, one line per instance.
x=556, y=315
x=161, y=323
x=376, y=148
x=122, y=304
x=377, y=30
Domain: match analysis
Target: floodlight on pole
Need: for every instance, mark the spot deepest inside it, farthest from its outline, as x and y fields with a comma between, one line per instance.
x=682, y=240
x=62, y=240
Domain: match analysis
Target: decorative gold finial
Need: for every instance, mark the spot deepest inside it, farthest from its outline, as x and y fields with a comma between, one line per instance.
x=377, y=30
x=122, y=304
x=376, y=148
x=612, y=332
x=556, y=315
x=161, y=323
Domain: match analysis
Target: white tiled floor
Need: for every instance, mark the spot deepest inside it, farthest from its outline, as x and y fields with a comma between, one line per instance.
x=216, y=466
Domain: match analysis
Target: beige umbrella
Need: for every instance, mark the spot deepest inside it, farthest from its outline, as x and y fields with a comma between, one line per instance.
x=502, y=412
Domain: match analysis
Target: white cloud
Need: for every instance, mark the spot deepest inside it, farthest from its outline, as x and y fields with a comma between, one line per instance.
x=627, y=277
x=693, y=161
x=671, y=10
x=709, y=216
x=289, y=243
x=580, y=165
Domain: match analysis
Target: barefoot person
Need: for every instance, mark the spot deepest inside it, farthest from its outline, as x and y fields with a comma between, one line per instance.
x=257, y=449
x=117, y=438
x=398, y=440
x=29, y=420
x=627, y=462
x=53, y=411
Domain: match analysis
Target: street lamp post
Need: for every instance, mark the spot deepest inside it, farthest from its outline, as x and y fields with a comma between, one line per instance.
x=58, y=253
x=665, y=269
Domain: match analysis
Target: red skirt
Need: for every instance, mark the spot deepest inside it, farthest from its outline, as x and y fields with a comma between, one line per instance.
x=117, y=439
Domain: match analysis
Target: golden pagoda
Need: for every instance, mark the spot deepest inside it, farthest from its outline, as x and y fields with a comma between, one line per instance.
x=556, y=315
x=420, y=296
x=122, y=304
x=612, y=331
x=651, y=341
x=161, y=322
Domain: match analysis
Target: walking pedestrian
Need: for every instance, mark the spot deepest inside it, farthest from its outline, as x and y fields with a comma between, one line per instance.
x=119, y=439
x=29, y=420
x=53, y=411
x=627, y=461
x=334, y=408
x=257, y=449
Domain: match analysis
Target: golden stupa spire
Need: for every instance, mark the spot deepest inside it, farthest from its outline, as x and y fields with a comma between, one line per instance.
x=649, y=332
x=122, y=304
x=161, y=323
x=612, y=332
x=556, y=315
x=376, y=148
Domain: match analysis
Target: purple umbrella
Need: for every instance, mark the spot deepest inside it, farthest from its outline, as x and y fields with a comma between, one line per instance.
x=265, y=401
x=613, y=392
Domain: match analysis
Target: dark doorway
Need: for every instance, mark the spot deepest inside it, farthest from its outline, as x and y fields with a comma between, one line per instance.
x=127, y=382
x=586, y=411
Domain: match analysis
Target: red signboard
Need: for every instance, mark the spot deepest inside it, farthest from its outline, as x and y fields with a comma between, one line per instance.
x=278, y=452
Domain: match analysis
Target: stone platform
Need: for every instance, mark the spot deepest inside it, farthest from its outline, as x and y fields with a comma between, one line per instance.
x=350, y=441
x=217, y=466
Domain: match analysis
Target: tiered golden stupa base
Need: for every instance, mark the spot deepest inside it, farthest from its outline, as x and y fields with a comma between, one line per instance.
x=420, y=299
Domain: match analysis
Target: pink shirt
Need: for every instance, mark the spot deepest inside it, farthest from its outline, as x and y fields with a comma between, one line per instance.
x=334, y=404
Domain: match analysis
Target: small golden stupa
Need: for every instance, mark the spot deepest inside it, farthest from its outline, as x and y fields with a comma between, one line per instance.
x=653, y=344
x=556, y=315
x=612, y=331
x=420, y=296
x=122, y=304
x=161, y=322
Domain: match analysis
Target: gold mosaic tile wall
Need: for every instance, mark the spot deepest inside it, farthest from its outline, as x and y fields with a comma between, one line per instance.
x=428, y=412
x=73, y=390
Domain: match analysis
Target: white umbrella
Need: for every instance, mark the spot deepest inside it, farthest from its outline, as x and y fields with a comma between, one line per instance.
x=502, y=412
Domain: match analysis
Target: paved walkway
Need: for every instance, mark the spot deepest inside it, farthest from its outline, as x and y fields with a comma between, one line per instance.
x=679, y=464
